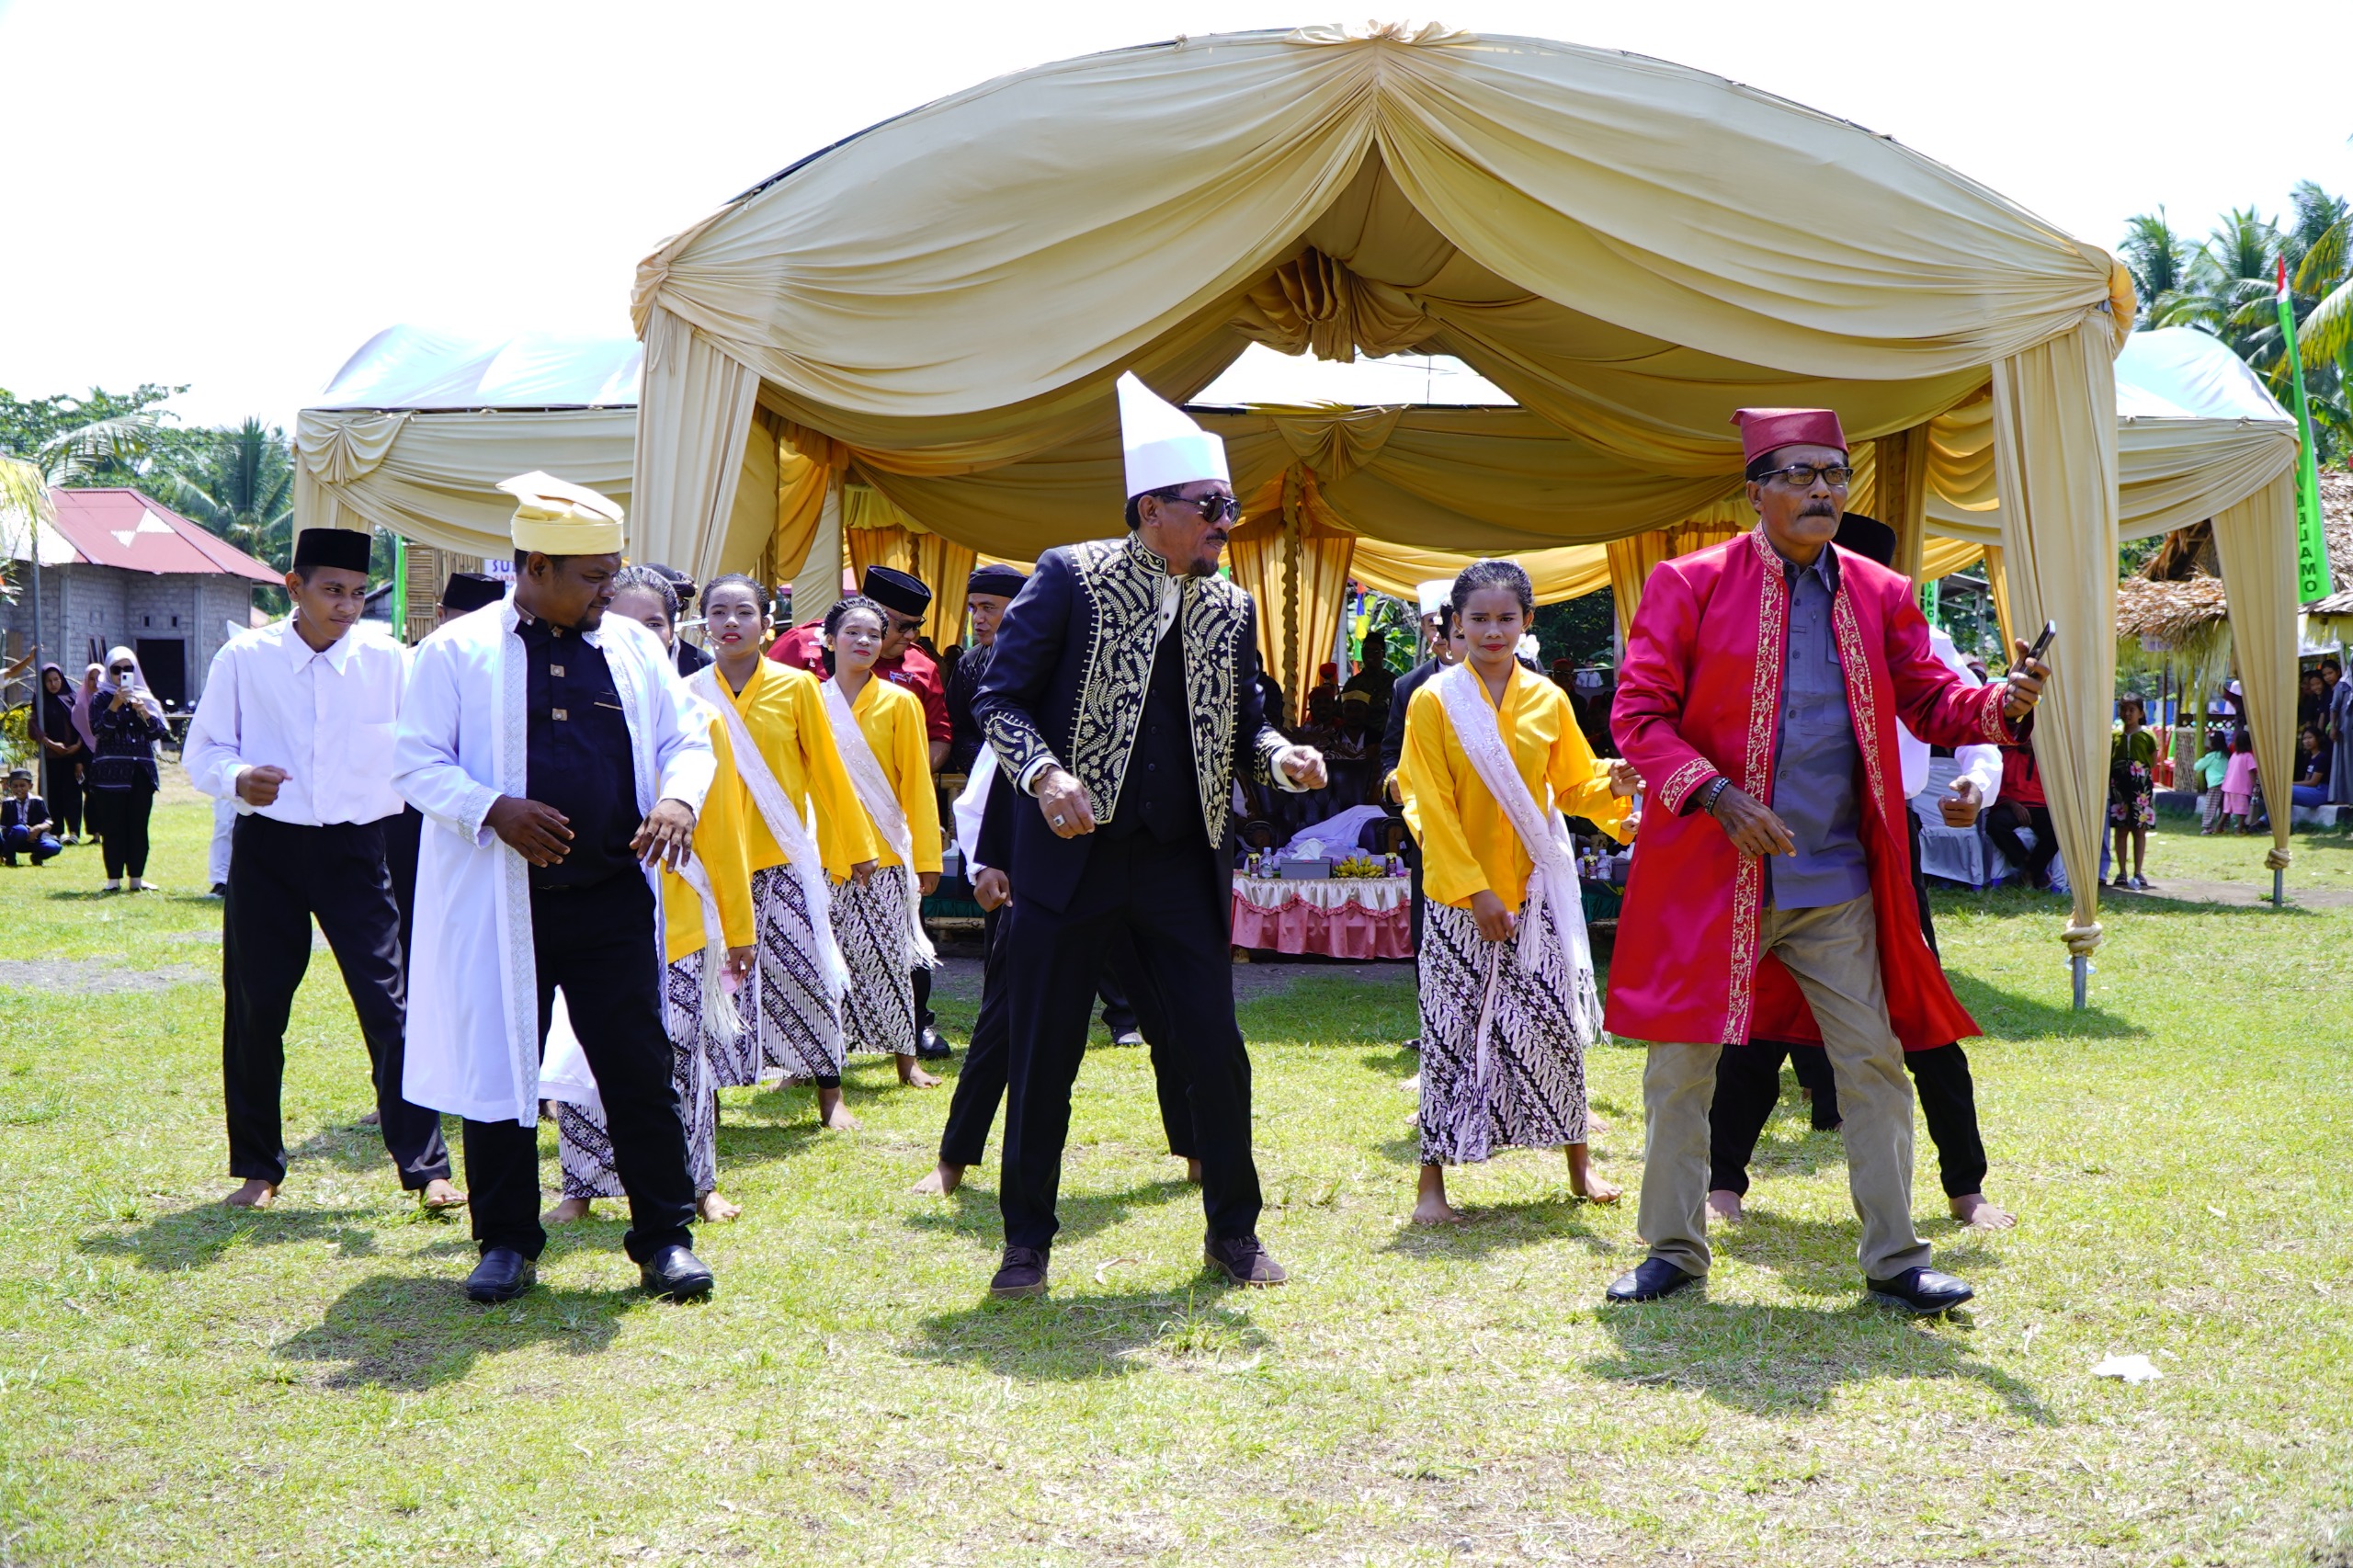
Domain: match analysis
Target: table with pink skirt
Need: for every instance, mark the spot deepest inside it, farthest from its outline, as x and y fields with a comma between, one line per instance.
x=1340, y=917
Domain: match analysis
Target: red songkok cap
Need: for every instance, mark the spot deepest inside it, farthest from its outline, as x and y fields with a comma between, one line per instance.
x=1329, y=672
x=1764, y=429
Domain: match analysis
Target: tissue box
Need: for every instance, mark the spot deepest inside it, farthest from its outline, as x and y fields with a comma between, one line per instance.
x=1306, y=870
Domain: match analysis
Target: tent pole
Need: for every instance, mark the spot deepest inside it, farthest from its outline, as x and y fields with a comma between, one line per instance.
x=2081, y=965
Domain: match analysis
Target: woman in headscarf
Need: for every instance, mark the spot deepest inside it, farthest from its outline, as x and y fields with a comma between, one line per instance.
x=120, y=779
x=66, y=746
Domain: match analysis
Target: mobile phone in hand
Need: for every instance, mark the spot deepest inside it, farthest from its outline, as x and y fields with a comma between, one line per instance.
x=2043, y=644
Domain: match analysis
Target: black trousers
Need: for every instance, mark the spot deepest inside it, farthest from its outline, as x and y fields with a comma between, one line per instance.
x=1748, y=1084
x=63, y=791
x=1176, y=901
x=922, y=978
x=598, y=945
x=980, y=1085
x=280, y=874
x=404, y=837
x=120, y=817
x=2003, y=820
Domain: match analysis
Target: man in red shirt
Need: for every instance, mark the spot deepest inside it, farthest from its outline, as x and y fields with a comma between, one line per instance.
x=904, y=601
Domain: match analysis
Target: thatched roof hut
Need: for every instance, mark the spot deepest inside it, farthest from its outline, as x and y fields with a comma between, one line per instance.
x=2175, y=607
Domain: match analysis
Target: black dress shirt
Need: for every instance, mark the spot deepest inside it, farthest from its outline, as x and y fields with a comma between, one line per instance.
x=578, y=754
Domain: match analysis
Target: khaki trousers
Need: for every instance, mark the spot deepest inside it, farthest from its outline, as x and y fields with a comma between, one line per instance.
x=1832, y=953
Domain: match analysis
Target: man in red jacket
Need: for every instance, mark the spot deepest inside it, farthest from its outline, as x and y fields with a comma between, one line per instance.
x=1771, y=887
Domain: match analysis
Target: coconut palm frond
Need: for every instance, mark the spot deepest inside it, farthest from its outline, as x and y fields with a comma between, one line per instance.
x=75, y=454
x=2323, y=337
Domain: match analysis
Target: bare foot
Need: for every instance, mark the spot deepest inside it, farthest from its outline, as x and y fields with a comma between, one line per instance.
x=1433, y=1209
x=1193, y=1171
x=1584, y=1183
x=256, y=1194
x=832, y=1113
x=944, y=1179
x=1972, y=1210
x=565, y=1212
x=439, y=1194
x=373, y=1118
x=1724, y=1204
x=717, y=1210
x=914, y=1077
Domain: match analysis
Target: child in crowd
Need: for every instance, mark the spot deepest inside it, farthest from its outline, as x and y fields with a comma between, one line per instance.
x=24, y=826
x=2209, y=770
x=2239, y=782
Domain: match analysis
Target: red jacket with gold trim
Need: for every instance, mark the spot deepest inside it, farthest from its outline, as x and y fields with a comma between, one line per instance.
x=1698, y=697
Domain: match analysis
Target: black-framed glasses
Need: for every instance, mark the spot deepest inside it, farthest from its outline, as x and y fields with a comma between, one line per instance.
x=1214, y=508
x=1801, y=476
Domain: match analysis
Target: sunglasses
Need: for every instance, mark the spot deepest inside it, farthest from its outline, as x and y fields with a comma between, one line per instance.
x=1213, y=508
x=1801, y=476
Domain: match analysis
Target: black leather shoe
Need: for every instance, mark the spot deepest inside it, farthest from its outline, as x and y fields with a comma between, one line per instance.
x=501, y=1276
x=1649, y=1281
x=1022, y=1273
x=929, y=1047
x=1243, y=1261
x=676, y=1275
x=1921, y=1291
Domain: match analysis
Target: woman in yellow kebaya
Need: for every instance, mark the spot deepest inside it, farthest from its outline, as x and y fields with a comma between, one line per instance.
x=879, y=729
x=1493, y=758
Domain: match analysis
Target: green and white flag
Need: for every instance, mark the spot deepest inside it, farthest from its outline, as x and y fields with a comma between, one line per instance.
x=2312, y=538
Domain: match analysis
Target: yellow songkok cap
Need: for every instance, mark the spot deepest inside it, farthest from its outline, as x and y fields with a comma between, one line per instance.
x=559, y=518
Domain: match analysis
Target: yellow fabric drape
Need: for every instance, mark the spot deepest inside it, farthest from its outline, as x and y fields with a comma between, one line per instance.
x=880, y=534
x=817, y=587
x=1900, y=477
x=808, y=464
x=1630, y=560
x=1943, y=557
x=1568, y=572
x=2255, y=542
x=1295, y=565
x=2054, y=461
x=1998, y=583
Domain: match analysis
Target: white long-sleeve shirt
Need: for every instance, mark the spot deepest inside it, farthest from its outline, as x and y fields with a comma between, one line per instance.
x=1981, y=764
x=327, y=717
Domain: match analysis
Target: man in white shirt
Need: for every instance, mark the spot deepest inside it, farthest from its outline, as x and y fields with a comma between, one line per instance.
x=295, y=730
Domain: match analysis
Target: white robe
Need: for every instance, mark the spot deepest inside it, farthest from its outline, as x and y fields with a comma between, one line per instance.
x=473, y=1029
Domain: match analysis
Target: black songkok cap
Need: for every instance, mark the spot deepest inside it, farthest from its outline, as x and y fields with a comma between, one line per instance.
x=346, y=550
x=467, y=591
x=896, y=590
x=1867, y=536
x=997, y=578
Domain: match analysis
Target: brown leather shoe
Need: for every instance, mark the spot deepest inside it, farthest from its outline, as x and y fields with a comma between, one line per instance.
x=1243, y=1261
x=1022, y=1273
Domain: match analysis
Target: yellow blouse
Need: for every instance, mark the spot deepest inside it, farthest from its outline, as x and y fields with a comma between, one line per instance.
x=892, y=720
x=786, y=715
x=1468, y=845
x=719, y=846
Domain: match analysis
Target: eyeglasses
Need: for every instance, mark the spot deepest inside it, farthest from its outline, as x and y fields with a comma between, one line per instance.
x=1801, y=476
x=120, y=670
x=1214, y=508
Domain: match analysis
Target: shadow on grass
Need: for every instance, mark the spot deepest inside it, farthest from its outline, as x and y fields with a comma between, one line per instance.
x=2011, y=1014
x=1487, y=1228
x=407, y=1335
x=970, y=1213
x=1068, y=1338
x=1777, y=1360
x=1398, y=1062
x=202, y=1235
x=1815, y=1257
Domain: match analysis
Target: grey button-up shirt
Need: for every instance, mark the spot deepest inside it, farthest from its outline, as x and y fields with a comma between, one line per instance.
x=1814, y=755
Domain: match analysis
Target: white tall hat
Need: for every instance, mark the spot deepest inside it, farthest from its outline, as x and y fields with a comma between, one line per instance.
x=1162, y=445
x=1434, y=594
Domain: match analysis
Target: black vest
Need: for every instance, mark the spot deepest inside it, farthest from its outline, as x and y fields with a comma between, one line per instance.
x=1162, y=791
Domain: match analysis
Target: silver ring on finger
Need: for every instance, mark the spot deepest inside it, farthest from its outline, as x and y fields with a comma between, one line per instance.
x=1058, y=822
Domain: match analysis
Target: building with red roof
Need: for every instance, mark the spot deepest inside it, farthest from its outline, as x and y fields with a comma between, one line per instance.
x=124, y=570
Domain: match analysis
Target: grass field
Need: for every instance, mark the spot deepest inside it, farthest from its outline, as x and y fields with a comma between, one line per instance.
x=182, y=1385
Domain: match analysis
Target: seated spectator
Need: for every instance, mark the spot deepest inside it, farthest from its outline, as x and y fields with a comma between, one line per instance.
x=1256, y=837
x=2311, y=702
x=2310, y=787
x=1325, y=692
x=2022, y=806
x=1372, y=677
x=25, y=827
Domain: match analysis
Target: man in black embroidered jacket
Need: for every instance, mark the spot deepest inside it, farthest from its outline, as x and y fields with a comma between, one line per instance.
x=1123, y=696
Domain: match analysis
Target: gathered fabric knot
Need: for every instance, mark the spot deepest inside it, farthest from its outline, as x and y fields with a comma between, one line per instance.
x=2081, y=941
x=2276, y=859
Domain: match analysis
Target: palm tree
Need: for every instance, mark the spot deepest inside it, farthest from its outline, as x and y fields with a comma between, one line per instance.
x=238, y=483
x=2158, y=258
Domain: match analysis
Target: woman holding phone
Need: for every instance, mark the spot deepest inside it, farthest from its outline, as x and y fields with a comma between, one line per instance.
x=120, y=780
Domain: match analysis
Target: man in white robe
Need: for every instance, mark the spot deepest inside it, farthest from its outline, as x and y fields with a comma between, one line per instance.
x=559, y=762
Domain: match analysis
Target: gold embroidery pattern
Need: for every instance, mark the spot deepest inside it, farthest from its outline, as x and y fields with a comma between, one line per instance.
x=1862, y=697
x=1990, y=722
x=1122, y=581
x=1214, y=613
x=1764, y=707
x=1682, y=781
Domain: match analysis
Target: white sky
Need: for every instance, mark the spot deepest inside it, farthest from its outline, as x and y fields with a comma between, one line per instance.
x=288, y=178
